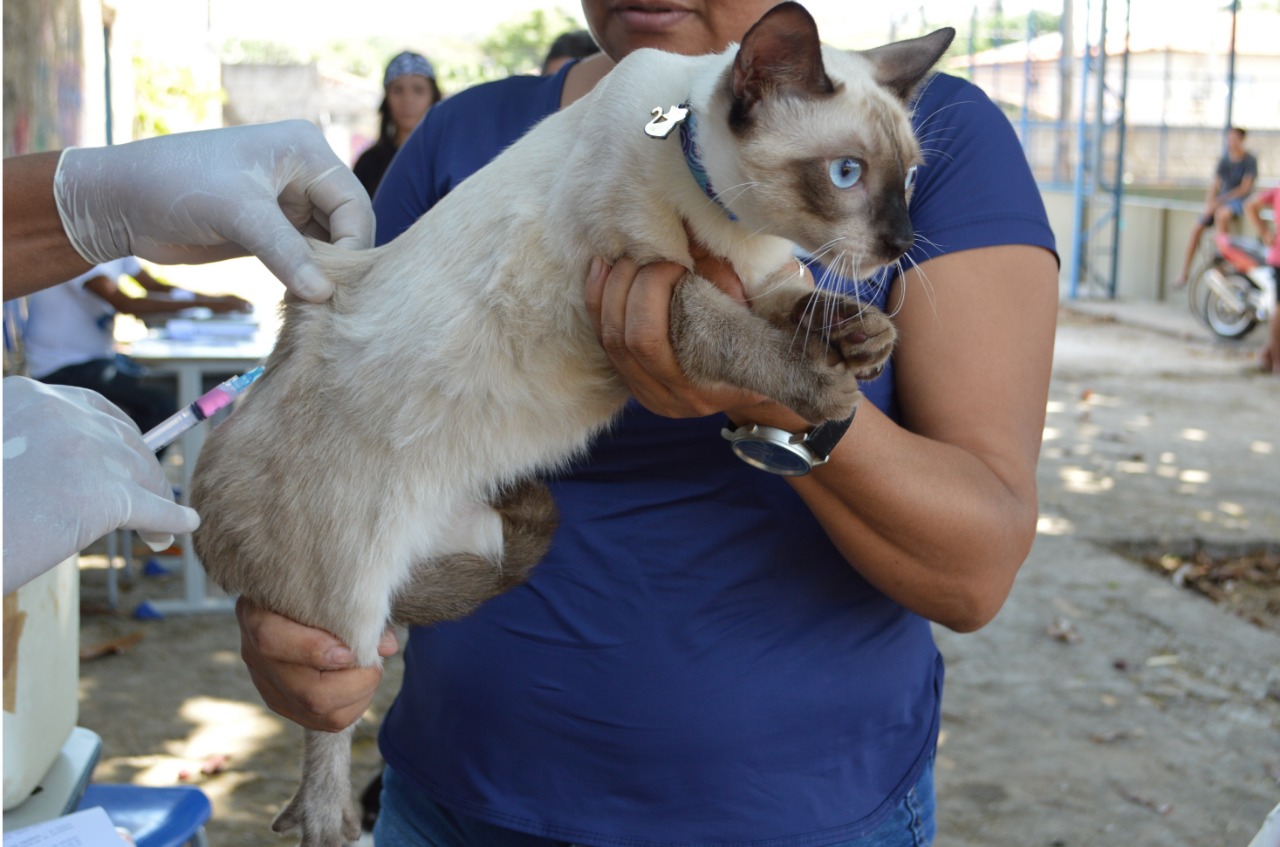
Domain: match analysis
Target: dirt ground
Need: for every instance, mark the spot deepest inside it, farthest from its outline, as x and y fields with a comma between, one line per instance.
x=1108, y=704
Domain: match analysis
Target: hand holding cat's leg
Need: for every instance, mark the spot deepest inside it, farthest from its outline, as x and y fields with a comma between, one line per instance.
x=802, y=348
x=834, y=326
x=629, y=307
x=306, y=674
x=310, y=677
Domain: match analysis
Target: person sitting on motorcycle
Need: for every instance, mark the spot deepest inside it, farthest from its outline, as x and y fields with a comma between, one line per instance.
x=1233, y=181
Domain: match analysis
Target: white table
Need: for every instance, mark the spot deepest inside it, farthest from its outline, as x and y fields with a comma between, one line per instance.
x=191, y=362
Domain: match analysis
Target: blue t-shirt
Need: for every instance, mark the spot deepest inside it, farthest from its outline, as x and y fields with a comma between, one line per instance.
x=693, y=663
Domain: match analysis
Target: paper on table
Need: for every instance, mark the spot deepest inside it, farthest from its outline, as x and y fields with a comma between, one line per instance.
x=181, y=329
x=90, y=828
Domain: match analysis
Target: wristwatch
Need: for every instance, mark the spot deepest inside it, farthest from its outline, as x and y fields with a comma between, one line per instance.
x=785, y=453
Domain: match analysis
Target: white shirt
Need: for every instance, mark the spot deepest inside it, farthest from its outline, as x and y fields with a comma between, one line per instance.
x=69, y=324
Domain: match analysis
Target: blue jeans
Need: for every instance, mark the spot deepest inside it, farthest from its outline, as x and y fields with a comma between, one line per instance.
x=410, y=819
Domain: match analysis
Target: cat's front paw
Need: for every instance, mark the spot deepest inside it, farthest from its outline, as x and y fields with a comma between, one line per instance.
x=850, y=334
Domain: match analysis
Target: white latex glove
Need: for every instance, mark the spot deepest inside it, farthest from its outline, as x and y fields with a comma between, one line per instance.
x=76, y=468
x=1269, y=835
x=205, y=196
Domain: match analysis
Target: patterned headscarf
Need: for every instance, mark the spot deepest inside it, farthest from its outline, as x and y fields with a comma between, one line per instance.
x=407, y=63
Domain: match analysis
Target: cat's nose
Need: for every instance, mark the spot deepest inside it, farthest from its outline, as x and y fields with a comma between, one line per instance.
x=896, y=244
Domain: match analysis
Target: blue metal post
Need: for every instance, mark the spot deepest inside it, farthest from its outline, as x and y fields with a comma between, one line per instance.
x=1122, y=138
x=1231, y=64
x=1077, y=233
x=1026, y=87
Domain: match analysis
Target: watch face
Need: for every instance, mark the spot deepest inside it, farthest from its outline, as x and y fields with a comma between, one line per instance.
x=771, y=456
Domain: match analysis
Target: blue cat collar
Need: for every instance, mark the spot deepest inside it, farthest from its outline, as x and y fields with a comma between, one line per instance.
x=661, y=126
x=693, y=158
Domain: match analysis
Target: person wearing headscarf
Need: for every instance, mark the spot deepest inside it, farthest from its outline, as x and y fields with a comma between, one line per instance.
x=410, y=91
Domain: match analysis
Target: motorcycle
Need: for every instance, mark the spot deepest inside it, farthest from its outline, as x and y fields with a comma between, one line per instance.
x=1237, y=290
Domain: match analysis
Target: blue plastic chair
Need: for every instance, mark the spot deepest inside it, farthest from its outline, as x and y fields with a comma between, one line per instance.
x=156, y=816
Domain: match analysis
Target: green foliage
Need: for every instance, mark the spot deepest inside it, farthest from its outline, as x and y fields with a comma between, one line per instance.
x=998, y=28
x=1043, y=22
x=361, y=57
x=514, y=47
x=162, y=91
x=518, y=46
x=366, y=58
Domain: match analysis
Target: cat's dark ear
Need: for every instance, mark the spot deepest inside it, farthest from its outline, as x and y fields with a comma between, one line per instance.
x=901, y=66
x=780, y=54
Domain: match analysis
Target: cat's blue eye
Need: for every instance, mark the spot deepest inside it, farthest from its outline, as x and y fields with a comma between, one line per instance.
x=845, y=172
x=911, y=178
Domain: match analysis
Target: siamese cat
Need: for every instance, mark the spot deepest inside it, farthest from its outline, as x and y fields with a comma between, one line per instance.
x=385, y=469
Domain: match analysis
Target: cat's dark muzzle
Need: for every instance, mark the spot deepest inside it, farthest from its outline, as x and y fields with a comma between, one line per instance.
x=894, y=246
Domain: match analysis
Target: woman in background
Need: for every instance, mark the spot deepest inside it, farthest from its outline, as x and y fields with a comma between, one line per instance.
x=411, y=90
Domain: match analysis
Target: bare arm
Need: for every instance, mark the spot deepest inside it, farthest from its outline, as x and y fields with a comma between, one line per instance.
x=109, y=290
x=938, y=513
x=151, y=284
x=37, y=253
x=1241, y=190
x=216, y=302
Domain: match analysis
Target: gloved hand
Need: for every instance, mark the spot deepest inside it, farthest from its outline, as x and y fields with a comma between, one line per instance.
x=206, y=196
x=76, y=468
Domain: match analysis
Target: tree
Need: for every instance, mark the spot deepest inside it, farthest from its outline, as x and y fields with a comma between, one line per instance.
x=167, y=98
x=998, y=28
x=518, y=47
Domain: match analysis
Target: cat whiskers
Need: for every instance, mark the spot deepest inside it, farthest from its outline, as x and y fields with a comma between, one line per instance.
x=896, y=270
x=927, y=134
x=805, y=322
x=727, y=195
x=839, y=268
x=821, y=283
x=925, y=284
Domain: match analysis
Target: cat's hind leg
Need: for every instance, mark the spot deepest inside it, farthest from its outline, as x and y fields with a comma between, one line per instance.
x=451, y=586
x=513, y=535
x=322, y=806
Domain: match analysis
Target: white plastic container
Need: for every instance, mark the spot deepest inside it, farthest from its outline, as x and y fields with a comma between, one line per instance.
x=41, y=674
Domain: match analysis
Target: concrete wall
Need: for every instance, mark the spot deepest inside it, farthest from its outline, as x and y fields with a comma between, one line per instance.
x=343, y=106
x=1153, y=240
x=1169, y=156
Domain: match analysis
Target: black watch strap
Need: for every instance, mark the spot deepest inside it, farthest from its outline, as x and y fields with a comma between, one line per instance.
x=824, y=437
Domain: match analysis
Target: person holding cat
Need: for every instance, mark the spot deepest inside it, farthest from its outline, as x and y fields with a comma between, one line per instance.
x=75, y=465
x=711, y=653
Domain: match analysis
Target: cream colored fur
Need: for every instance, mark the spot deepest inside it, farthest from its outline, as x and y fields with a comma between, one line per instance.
x=385, y=458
